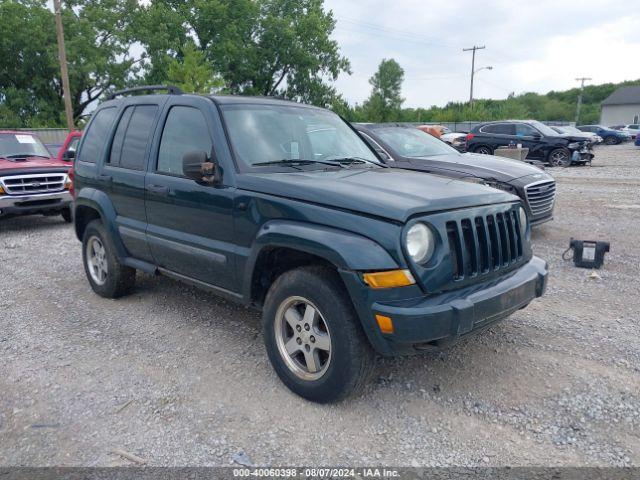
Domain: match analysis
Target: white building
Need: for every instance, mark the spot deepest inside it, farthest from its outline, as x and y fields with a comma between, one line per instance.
x=622, y=107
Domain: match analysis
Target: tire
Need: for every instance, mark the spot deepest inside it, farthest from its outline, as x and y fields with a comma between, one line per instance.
x=611, y=141
x=483, y=150
x=106, y=275
x=66, y=215
x=340, y=371
x=560, y=157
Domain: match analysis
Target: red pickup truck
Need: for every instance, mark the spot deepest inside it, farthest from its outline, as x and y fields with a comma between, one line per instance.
x=32, y=181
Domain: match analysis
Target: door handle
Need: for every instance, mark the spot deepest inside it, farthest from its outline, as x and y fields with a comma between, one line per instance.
x=158, y=189
x=105, y=178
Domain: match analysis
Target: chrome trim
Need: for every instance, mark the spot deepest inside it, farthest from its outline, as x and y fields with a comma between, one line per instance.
x=7, y=201
x=547, y=203
x=52, y=182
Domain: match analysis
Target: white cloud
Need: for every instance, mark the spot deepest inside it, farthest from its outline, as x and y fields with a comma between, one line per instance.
x=533, y=46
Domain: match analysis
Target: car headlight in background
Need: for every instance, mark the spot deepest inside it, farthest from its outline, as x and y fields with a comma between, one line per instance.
x=574, y=145
x=523, y=220
x=420, y=243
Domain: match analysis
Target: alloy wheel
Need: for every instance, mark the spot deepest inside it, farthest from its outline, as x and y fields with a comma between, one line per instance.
x=559, y=158
x=303, y=338
x=97, y=260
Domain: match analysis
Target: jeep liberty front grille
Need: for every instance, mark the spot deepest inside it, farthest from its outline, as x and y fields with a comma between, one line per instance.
x=33, y=183
x=483, y=244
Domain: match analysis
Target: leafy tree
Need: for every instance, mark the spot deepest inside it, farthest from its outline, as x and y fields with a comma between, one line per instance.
x=97, y=53
x=258, y=47
x=192, y=73
x=385, y=102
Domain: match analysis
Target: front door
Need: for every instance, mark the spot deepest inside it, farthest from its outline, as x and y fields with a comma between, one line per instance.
x=529, y=137
x=190, y=224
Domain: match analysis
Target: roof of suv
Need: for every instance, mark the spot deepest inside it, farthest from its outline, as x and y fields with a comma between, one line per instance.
x=224, y=99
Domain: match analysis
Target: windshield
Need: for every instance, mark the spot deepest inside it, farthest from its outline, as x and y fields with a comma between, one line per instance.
x=15, y=145
x=268, y=134
x=411, y=142
x=543, y=129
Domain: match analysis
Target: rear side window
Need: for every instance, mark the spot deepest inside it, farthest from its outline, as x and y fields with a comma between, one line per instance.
x=499, y=129
x=132, y=136
x=96, y=135
x=184, y=131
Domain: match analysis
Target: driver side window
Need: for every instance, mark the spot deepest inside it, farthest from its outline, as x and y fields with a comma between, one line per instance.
x=524, y=130
x=185, y=130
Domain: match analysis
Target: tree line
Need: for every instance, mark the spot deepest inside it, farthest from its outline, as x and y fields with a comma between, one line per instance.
x=253, y=47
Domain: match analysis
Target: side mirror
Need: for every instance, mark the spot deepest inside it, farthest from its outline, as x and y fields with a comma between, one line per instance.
x=69, y=155
x=197, y=167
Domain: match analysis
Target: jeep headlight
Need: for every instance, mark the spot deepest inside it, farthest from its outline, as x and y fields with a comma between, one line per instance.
x=420, y=243
x=522, y=216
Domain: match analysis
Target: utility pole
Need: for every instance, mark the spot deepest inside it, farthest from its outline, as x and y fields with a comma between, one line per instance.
x=581, y=80
x=62, y=57
x=473, y=68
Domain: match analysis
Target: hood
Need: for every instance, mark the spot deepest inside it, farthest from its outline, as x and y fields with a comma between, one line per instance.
x=384, y=192
x=31, y=162
x=576, y=137
x=487, y=167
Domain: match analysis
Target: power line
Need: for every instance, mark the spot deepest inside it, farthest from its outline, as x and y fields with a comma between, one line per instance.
x=391, y=32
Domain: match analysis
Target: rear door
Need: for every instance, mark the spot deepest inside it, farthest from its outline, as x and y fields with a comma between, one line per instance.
x=499, y=134
x=190, y=225
x=124, y=172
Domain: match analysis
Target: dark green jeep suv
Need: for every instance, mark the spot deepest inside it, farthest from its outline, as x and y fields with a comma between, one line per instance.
x=284, y=207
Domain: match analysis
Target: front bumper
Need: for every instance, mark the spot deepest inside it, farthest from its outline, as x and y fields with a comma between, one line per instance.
x=35, y=203
x=432, y=322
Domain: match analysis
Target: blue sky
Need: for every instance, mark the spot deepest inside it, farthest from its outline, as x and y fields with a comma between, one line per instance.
x=532, y=46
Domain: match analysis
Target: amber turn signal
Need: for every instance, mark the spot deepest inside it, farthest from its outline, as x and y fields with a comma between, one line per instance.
x=389, y=279
x=1, y=190
x=385, y=324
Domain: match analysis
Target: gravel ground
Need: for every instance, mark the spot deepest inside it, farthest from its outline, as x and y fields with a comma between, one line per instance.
x=178, y=377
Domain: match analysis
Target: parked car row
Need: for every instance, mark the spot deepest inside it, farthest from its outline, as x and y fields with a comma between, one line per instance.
x=351, y=240
x=608, y=135
x=632, y=129
x=544, y=143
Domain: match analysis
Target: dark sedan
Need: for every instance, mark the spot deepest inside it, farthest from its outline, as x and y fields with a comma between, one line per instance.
x=411, y=149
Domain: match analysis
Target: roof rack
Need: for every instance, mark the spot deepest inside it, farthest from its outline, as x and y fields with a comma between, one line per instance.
x=171, y=90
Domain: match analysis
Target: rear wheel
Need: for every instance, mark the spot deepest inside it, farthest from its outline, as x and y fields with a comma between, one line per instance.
x=313, y=337
x=483, y=150
x=611, y=140
x=106, y=275
x=560, y=157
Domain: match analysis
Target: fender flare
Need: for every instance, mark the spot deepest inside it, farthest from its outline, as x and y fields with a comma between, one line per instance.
x=345, y=250
x=100, y=202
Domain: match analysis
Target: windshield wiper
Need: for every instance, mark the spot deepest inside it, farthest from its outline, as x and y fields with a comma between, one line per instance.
x=294, y=162
x=352, y=160
x=20, y=155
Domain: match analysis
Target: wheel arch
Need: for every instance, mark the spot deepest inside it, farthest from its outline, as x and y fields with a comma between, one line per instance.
x=92, y=204
x=283, y=245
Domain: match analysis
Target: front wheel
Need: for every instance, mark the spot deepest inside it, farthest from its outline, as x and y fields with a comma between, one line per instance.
x=560, y=157
x=66, y=215
x=611, y=141
x=106, y=275
x=313, y=337
x=483, y=150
